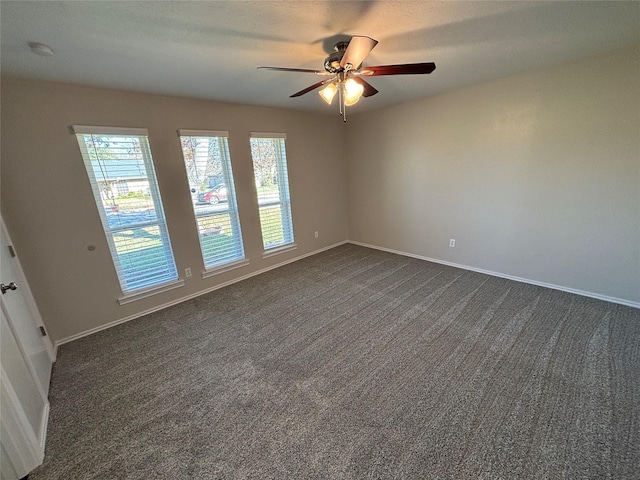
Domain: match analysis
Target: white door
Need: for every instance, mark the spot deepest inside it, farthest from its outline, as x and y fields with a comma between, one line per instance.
x=26, y=356
x=22, y=313
x=23, y=419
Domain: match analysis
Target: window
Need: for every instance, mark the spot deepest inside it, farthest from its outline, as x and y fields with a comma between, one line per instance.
x=272, y=184
x=123, y=187
x=208, y=165
x=132, y=217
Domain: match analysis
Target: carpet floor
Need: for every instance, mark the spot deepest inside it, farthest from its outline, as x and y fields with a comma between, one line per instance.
x=355, y=364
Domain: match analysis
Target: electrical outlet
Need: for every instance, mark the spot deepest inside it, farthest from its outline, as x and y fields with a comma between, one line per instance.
x=452, y=242
x=187, y=272
x=315, y=234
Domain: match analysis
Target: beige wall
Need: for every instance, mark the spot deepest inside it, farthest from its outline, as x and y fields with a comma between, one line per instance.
x=536, y=176
x=52, y=218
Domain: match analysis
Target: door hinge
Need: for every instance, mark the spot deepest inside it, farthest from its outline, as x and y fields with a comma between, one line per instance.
x=43, y=331
x=12, y=252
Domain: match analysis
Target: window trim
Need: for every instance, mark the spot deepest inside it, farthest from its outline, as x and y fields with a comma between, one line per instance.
x=268, y=135
x=202, y=133
x=227, y=267
x=103, y=131
x=150, y=291
x=279, y=249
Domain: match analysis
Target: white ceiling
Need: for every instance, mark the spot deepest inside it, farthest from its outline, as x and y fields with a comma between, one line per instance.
x=210, y=50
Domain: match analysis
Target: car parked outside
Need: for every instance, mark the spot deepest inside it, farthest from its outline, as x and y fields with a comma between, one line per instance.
x=214, y=195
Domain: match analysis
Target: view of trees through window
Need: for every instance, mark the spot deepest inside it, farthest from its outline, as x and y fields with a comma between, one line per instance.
x=208, y=166
x=202, y=161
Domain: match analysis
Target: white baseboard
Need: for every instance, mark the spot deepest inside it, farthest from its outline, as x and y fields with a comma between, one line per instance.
x=300, y=257
x=185, y=298
x=620, y=301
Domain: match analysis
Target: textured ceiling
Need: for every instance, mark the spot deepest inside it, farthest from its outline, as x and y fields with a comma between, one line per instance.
x=211, y=50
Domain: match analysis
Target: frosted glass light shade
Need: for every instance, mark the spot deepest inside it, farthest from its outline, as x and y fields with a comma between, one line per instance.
x=353, y=92
x=328, y=92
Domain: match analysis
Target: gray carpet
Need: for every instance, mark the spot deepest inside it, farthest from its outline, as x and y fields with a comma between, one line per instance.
x=355, y=364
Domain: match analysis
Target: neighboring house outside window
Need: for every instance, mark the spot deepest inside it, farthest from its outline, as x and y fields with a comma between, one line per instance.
x=208, y=166
x=122, y=187
x=272, y=184
x=120, y=169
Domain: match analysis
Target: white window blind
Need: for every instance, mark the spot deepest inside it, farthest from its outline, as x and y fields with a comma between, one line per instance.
x=272, y=183
x=122, y=176
x=208, y=165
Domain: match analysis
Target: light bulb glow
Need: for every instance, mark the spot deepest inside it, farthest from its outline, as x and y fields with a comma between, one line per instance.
x=353, y=91
x=328, y=92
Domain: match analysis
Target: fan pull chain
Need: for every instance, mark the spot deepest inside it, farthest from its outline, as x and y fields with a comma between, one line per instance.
x=343, y=105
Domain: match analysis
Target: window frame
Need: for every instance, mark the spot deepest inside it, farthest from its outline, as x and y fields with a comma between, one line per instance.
x=286, y=213
x=165, y=282
x=239, y=260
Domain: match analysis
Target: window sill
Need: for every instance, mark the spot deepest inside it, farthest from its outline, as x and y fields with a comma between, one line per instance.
x=224, y=268
x=278, y=250
x=165, y=287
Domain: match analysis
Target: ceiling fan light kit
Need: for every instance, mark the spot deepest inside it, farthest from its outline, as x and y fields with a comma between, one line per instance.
x=344, y=66
x=328, y=92
x=352, y=92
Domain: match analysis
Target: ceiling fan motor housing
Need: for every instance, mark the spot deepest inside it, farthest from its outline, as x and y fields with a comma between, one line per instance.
x=332, y=62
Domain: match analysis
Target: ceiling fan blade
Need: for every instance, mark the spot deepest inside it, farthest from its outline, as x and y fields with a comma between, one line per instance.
x=358, y=49
x=309, y=89
x=369, y=90
x=405, y=69
x=303, y=70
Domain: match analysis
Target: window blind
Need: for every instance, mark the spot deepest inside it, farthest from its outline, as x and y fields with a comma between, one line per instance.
x=272, y=184
x=121, y=173
x=208, y=166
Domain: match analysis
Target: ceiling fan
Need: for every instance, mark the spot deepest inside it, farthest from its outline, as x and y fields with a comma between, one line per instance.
x=345, y=69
